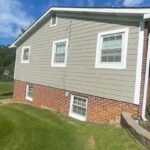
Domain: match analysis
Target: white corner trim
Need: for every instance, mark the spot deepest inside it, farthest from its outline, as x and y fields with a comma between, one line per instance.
x=27, y=97
x=53, y=64
x=22, y=53
x=147, y=16
x=139, y=64
x=52, y=25
x=112, y=65
x=146, y=81
x=76, y=116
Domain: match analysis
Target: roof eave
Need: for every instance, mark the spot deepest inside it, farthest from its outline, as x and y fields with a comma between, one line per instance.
x=122, y=11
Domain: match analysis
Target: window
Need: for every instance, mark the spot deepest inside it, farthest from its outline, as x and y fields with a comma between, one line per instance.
x=78, y=107
x=53, y=21
x=29, y=92
x=59, y=53
x=25, y=54
x=112, y=49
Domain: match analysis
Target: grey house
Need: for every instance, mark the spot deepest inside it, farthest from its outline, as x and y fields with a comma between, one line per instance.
x=89, y=63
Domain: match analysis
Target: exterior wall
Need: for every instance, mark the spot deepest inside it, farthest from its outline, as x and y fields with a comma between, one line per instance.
x=98, y=110
x=80, y=74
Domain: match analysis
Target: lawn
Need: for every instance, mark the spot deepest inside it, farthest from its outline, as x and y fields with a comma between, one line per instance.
x=6, y=89
x=24, y=127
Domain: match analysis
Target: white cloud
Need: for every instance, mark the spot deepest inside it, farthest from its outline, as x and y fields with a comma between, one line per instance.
x=12, y=17
x=132, y=2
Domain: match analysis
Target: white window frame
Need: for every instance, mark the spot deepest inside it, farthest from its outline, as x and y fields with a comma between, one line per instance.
x=54, y=64
x=112, y=65
x=52, y=25
x=74, y=115
x=28, y=97
x=22, y=53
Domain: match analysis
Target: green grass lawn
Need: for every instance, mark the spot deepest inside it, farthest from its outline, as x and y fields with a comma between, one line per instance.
x=24, y=127
x=6, y=89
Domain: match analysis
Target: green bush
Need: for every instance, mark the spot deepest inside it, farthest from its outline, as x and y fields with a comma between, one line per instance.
x=148, y=109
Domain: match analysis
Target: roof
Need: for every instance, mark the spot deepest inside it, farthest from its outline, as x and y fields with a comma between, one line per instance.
x=133, y=11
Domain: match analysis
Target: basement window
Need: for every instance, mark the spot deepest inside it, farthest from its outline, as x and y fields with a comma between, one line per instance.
x=53, y=21
x=25, y=54
x=29, y=92
x=78, y=107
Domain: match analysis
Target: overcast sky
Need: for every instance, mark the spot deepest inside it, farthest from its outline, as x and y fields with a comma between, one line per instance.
x=16, y=14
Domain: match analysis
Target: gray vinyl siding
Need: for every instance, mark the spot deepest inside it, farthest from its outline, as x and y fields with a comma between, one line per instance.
x=80, y=75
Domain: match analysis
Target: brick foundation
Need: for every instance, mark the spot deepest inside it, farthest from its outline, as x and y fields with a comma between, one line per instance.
x=99, y=109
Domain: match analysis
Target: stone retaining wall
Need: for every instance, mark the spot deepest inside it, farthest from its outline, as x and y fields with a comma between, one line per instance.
x=142, y=135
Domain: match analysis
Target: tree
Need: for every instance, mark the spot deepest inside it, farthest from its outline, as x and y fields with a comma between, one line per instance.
x=7, y=62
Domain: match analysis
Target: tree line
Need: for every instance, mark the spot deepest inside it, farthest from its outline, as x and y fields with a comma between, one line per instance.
x=7, y=62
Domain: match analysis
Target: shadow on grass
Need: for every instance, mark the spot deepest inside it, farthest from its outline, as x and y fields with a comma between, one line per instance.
x=7, y=94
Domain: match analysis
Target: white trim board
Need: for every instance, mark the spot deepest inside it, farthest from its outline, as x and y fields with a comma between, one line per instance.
x=127, y=11
x=139, y=64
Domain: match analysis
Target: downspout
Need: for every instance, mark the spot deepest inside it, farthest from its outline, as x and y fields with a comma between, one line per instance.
x=146, y=81
x=146, y=74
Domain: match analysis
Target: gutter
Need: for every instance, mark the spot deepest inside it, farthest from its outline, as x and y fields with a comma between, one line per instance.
x=123, y=11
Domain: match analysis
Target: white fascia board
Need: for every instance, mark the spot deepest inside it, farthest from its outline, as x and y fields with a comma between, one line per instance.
x=105, y=10
x=140, y=11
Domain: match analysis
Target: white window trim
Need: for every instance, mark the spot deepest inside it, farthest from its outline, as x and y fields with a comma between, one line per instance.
x=112, y=65
x=22, y=53
x=74, y=115
x=28, y=97
x=52, y=25
x=53, y=64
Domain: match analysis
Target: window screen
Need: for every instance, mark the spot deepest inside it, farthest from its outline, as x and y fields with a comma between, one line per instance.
x=60, y=52
x=26, y=54
x=111, y=48
x=79, y=106
x=30, y=91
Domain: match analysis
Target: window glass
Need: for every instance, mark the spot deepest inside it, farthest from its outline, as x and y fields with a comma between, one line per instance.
x=111, y=48
x=26, y=54
x=79, y=106
x=29, y=92
x=60, y=52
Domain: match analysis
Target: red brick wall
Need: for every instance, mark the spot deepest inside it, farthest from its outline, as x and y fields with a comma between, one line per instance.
x=99, y=109
x=148, y=92
x=145, y=49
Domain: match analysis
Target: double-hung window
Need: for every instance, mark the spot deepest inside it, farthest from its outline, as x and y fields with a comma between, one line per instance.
x=29, y=92
x=112, y=49
x=25, y=54
x=59, y=53
x=78, y=107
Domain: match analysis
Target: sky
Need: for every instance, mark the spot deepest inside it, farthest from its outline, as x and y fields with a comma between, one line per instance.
x=17, y=14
